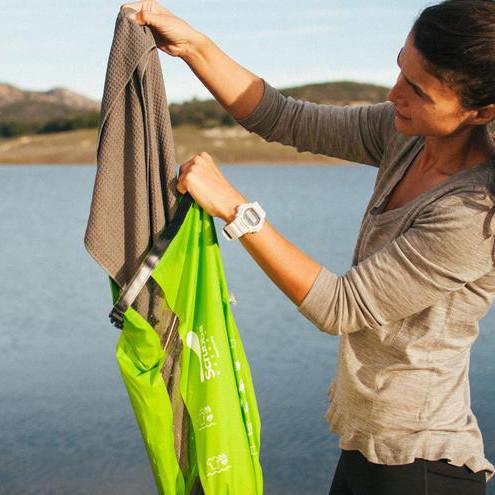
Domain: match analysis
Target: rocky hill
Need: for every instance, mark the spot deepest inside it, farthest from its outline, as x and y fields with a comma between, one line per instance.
x=40, y=106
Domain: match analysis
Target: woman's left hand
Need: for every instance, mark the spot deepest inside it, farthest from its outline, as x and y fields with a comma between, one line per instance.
x=201, y=177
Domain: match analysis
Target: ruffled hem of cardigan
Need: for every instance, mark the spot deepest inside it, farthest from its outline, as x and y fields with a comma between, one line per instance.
x=386, y=450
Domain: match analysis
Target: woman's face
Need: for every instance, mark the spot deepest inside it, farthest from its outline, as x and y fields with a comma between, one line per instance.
x=424, y=105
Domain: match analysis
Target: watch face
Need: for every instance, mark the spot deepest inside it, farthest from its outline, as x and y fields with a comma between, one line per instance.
x=251, y=217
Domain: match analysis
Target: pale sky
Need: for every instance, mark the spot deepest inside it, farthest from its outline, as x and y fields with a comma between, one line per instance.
x=52, y=43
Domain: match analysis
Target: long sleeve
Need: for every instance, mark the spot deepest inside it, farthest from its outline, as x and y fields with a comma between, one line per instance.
x=355, y=133
x=445, y=248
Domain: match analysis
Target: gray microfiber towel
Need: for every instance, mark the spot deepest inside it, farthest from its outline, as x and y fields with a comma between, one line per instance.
x=135, y=195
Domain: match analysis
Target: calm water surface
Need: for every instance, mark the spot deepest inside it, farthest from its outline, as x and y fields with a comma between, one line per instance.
x=66, y=423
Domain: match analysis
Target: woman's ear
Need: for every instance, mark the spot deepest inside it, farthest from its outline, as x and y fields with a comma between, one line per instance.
x=484, y=115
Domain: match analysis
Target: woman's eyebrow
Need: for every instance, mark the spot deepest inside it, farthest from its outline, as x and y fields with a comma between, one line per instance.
x=414, y=85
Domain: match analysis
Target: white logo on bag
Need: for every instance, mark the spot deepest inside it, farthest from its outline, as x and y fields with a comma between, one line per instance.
x=217, y=464
x=206, y=418
x=205, y=348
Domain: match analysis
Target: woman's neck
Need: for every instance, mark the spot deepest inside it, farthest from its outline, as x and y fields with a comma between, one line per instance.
x=465, y=149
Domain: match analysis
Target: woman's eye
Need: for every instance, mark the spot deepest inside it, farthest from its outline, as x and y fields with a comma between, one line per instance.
x=417, y=92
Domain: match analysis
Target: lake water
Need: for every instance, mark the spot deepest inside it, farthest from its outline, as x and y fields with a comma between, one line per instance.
x=66, y=423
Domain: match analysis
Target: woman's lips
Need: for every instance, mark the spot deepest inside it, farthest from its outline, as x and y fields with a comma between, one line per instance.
x=400, y=115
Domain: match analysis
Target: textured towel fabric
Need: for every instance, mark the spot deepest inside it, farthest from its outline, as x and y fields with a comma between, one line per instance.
x=135, y=193
x=407, y=310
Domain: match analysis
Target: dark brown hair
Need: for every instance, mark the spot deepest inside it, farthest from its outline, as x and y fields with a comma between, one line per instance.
x=457, y=40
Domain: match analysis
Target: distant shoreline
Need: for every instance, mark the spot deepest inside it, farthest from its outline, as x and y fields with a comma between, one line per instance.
x=226, y=164
x=227, y=145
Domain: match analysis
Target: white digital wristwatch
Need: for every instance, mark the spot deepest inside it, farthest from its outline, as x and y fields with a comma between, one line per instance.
x=250, y=217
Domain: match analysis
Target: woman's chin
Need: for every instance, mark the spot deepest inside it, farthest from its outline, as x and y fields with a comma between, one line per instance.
x=404, y=126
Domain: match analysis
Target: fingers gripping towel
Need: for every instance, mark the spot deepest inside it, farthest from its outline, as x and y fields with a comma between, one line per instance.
x=179, y=352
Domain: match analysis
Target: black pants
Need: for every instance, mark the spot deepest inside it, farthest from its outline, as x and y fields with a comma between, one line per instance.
x=355, y=475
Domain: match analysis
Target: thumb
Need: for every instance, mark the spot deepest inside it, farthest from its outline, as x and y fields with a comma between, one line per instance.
x=143, y=17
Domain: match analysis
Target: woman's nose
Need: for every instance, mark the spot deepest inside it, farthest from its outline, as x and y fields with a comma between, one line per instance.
x=391, y=94
x=395, y=93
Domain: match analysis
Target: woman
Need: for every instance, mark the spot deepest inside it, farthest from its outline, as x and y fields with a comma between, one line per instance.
x=423, y=269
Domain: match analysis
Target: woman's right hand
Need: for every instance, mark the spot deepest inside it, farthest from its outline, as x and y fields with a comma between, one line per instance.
x=172, y=34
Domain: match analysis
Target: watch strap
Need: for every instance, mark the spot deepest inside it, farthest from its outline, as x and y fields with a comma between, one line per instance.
x=235, y=229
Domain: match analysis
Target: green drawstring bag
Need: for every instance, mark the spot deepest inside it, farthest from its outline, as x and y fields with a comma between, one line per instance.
x=215, y=379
